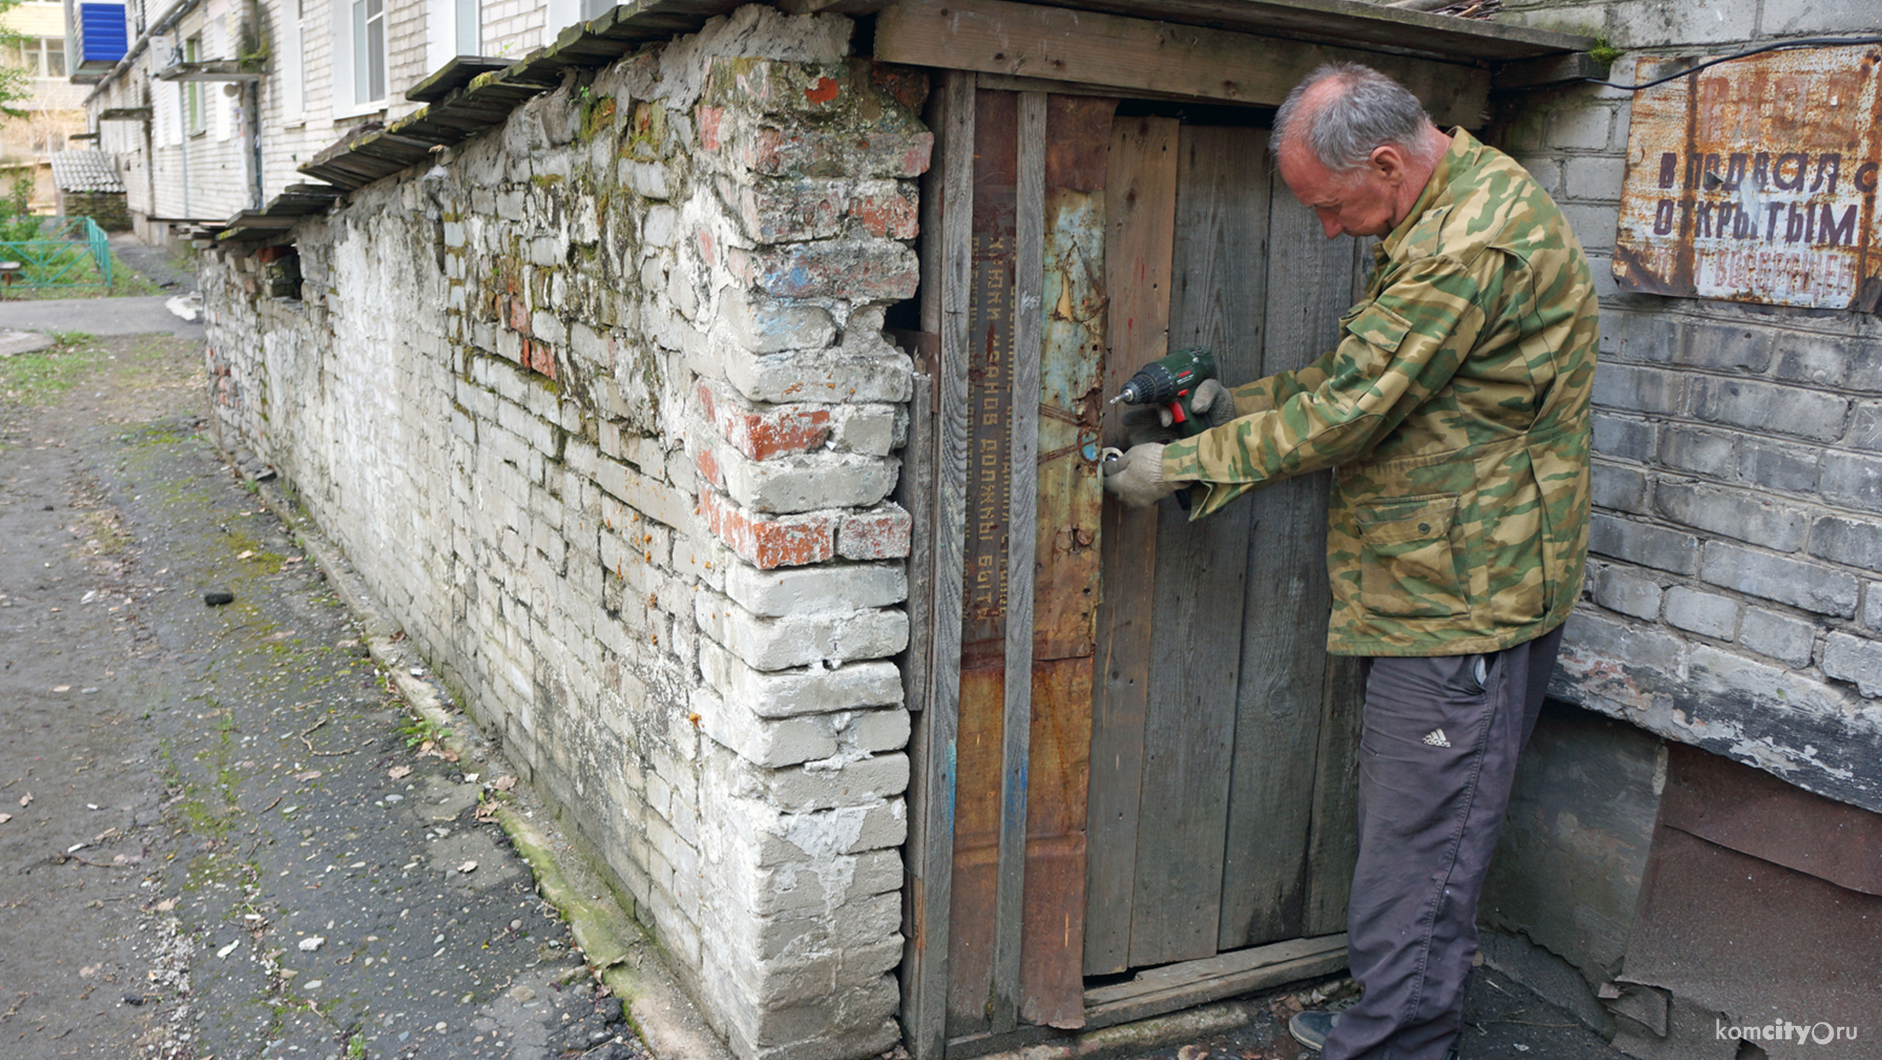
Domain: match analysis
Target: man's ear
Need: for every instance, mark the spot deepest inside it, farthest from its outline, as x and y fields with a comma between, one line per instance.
x=1388, y=162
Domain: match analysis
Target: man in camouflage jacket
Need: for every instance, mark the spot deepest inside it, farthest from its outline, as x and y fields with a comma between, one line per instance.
x=1454, y=414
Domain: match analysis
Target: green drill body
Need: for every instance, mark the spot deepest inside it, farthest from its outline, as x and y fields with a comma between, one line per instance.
x=1171, y=381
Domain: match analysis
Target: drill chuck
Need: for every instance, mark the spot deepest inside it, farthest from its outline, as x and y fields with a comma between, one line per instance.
x=1168, y=378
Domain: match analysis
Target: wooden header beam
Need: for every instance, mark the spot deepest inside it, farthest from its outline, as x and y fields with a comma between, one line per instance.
x=1060, y=44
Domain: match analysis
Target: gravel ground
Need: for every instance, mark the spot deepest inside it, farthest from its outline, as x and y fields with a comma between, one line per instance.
x=224, y=837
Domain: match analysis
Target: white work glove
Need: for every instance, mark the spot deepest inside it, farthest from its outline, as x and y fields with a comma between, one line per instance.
x=1137, y=476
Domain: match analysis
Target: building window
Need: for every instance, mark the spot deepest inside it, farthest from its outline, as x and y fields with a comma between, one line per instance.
x=41, y=57
x=369, y=51
x=193, y=90
x=293, y=64
x=470, y=30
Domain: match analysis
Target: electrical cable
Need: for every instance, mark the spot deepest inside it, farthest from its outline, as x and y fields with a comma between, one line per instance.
x=1802, y=42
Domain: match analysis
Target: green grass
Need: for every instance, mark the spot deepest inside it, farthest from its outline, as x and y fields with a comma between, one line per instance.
x=39, y=378
x=125, y=283
x=418, y=729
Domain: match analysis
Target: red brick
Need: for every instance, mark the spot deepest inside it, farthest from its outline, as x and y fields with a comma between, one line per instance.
x=906, y=85
x=825, y=90
x=774, y=431
x=270, y=255
x=891, y=215
x=518, y=313
x=539, y=356
x=766, y=542
x=709, y=121
x=709, y=468
x=879, y=534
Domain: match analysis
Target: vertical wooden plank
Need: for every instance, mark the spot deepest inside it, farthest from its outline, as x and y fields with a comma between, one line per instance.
x=945, y=271
x=1333, y=843
x=1218, y=287
x=1283, y=695
x=1066, y=579
x=980, y=781
x=1140, y=207
x=1022, y=504
x=1334, y=834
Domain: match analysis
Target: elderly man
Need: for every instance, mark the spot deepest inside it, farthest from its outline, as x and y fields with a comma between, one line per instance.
x=1454, y=412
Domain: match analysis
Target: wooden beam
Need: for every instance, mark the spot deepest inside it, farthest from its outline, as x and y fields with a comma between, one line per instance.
x=1548, y=72
x=974, y=1003
x=997, y=37
x=947, y=265
x=1022, y=512
x=1193, y=983
x=1343, y=23
x=1066, y=582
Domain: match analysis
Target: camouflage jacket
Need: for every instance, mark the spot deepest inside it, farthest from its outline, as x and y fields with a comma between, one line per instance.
x=1454, y=413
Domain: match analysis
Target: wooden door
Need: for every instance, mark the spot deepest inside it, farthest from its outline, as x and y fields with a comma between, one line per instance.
x=1064, y=245
x=1221, y=790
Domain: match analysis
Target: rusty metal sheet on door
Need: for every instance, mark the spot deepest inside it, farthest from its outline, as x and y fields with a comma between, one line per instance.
x=1755, y=181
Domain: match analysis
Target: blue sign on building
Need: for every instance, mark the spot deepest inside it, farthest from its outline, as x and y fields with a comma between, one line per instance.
x=98, y=38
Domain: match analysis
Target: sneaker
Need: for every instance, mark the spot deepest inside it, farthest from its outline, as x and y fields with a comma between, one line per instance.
x=1310, y=1028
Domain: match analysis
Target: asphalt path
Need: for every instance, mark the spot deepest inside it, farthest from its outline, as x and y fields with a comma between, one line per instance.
x=100, y=316
x=222, y=836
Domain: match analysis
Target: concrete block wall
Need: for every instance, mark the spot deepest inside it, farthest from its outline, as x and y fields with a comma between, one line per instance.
x=602, y=407
x=1734, y=593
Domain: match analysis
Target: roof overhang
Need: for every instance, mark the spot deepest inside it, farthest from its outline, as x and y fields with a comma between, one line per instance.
x=1519, y=55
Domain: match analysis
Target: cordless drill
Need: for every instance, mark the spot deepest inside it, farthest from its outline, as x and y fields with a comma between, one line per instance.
x=1171, y=382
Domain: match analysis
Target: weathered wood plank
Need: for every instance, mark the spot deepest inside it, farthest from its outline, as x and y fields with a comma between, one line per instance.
x=1333, y=841
x=1348, y=23
x=973, y=1001
x=1066, y=580
x=1199, y=982
x=1140, y=206
x=454, y=74
x=1022, y=508
x=998, y=37
x=1218, y=285
x=1284, y=635
x=946, y=271
x=1526, y=74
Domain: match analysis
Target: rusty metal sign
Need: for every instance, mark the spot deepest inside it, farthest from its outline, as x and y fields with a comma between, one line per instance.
x=1755, y=181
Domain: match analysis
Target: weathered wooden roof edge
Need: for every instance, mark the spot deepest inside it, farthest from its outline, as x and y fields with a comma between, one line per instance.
x=467, y=95
x=464, y=97
x=1346, y=23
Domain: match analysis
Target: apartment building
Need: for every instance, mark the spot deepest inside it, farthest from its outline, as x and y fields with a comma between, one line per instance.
x=216, y=103
x=54, y=106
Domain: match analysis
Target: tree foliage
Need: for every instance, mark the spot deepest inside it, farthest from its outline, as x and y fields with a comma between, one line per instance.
x=16, y=85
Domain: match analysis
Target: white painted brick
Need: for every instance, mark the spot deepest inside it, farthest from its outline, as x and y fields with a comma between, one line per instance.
x=827, y=639
x=862, y=783
x=772, y=742
x=805, y=482
x=812, y=690
x=822, y=587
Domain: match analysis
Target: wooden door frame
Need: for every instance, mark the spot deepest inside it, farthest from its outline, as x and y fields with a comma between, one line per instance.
x=934, y=490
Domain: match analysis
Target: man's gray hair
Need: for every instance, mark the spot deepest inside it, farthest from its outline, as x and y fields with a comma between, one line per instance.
x=1366, y=110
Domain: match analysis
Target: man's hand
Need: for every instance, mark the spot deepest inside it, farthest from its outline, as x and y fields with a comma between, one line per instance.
x=1213, y=404
x=1137, y=476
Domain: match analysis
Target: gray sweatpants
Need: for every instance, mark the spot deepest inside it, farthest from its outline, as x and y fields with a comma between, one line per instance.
x=1436, y=760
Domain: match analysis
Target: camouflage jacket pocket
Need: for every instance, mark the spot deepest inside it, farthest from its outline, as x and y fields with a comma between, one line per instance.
x=1408, y=562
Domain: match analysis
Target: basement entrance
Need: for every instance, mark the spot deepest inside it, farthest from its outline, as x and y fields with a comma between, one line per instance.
x=1132, y=764
x=1154, y=755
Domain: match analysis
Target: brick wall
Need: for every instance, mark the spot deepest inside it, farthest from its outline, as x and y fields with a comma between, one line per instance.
x=1734, y=595
x=615, y=444
x=104, y=207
